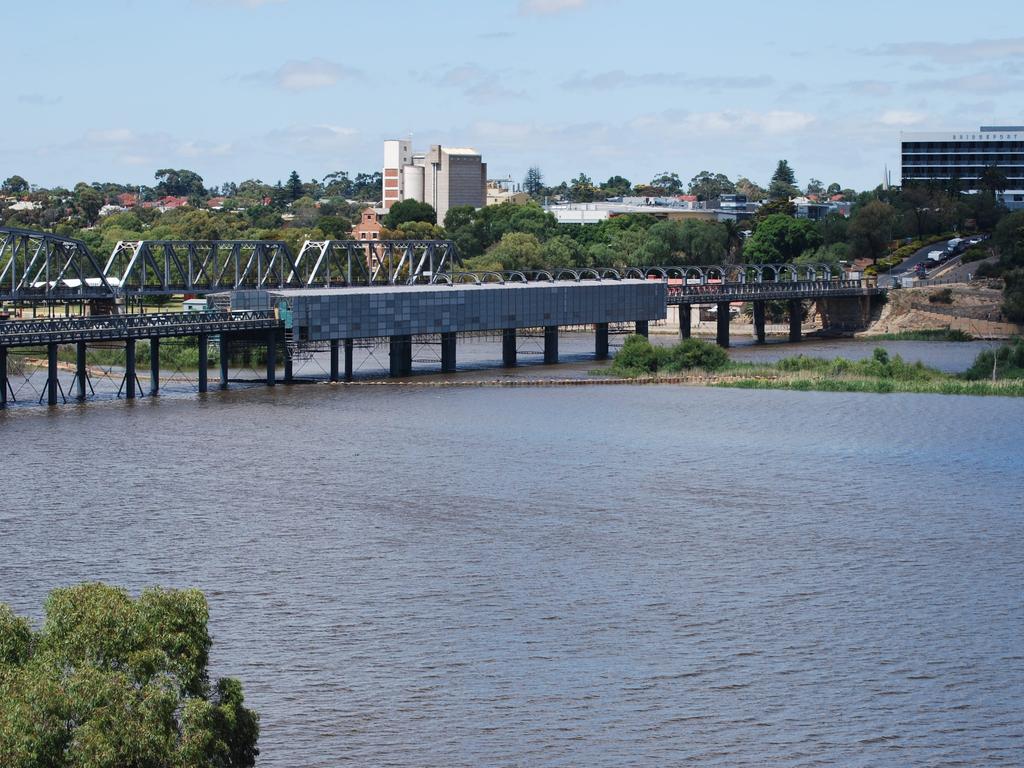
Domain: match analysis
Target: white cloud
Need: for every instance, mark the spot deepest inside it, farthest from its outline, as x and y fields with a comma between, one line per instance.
x=725, y=122
x=475, y=83
x=957, y=53
x=545, y=7
x=316, y=140
x=978, y=82
x=901, y=117
x=305, y=75
x=618, y=78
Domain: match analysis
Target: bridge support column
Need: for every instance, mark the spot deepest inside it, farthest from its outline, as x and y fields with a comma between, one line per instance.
x=641, y=328
x=224, y=357
x=129, y=369
x=796, y=310
x=601, y=341
x=52, y=383
x=154, y=366
x=81, y=371
x=348, y=359
x=759, y=321
x=508, y=347
x=722, y=317
x=288, y=369
x=684, y=321
x=334, y=360
x=448, y=352
x=272, y=358
x=204, y=362
x=550, y=344
x=401, y=355
x=3, y=377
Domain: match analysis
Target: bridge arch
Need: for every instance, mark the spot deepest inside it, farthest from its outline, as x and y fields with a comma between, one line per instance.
x=609, y=273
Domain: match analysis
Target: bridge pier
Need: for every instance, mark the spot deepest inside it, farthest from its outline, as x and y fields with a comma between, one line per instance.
x=550, y=344
x=81, y=370
x=401, y=355
x=448, y=352
x=204, y=362
x=3, y=377
x=154, y=365
x=224, y=355
x=289, y=370
x=51, y=374
x=641, y=328
x=796, y=310
x=722, y=318
x=349, y=344
x=334, y=360
x=684, y=321
x=759, y=311
x=601, y=341
x=129, y=368
x=508, y=348
x=272, y=357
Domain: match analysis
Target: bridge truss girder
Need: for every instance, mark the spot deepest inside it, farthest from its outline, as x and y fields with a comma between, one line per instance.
x=199, y=266
x=331, y=263
x=38, y=266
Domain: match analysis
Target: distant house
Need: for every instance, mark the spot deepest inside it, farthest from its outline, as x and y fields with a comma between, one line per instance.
x=167, y=203
x=499, y=192
x=24, y=205
x=368, y=227
x=110, y=208
x=216, y=203
x=127, y=199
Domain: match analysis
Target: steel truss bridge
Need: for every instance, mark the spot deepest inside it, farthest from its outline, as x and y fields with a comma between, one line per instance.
x=41, y=267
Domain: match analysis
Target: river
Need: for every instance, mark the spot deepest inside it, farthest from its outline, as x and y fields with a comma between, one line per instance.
x=599, y=576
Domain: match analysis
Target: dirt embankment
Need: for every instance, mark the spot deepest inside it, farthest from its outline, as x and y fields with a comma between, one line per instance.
x=974, y=308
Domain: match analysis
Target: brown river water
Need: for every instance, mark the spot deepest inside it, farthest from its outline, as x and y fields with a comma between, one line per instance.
x=564, y=576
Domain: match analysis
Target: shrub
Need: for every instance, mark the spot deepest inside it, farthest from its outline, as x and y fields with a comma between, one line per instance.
x=694, y=353
x=944, y=296
x=1009, y=362
x=636, y=358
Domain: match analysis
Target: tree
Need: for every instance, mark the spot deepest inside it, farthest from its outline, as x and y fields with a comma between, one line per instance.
x=752, y=191
x=833, y=189
x=783, y=183
x=616, y=186
x=773, y=207
x=667, y=183
x=533, y=182
x=409, y=210
x=779, y=239
x=110, y=681
x=179, y=183
x=706, y=185
x=517, y=250
x=294, y=185
x=14, y=185
x=815, y=187
x=87, y=202
x=582, y=189
x=871, y=229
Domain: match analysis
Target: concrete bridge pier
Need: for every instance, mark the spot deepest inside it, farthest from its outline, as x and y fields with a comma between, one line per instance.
x=81, y=371
x=796, y=311
x=154, y=366
x=722, y=316
x=601, y=341
x=684, y=321
x=272, y=358
x=289, y=370
x=401, y=355
x=759, y=322
x=334, y=360
x=641, y=328
x=204, y=362
x=508, y=348
x=3, y=377
x=52, y=383
x=129, y=369
x=224, y=353
x=349, y=344
x=550, y=344
x=448, y=352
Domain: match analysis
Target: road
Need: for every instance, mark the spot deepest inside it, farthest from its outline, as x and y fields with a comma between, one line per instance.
x=920, y=256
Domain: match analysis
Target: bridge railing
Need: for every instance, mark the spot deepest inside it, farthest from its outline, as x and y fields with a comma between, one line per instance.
x=20, y=332
x=713, y=290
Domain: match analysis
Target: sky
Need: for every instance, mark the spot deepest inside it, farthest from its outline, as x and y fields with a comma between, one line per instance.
x=113, y=90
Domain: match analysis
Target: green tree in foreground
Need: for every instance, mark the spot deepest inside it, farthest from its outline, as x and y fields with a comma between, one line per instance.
x=409, y=210
x=110, y=682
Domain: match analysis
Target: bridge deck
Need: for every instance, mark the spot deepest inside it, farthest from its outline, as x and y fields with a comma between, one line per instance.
x=710, y=293
x=24, y=333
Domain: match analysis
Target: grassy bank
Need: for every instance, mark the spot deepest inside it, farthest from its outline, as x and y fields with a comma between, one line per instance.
x=938, y=334
x=881, y=373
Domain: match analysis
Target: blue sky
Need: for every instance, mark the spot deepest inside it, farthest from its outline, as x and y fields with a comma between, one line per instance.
x=237, y=89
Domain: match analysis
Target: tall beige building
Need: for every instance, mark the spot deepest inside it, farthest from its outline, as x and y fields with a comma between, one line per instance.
x=444, y=177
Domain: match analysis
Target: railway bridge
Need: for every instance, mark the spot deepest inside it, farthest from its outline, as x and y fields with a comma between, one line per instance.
x=335, y=292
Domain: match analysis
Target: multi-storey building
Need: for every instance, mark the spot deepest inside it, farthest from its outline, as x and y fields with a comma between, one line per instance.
x=444, y=177
x=964, y=155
